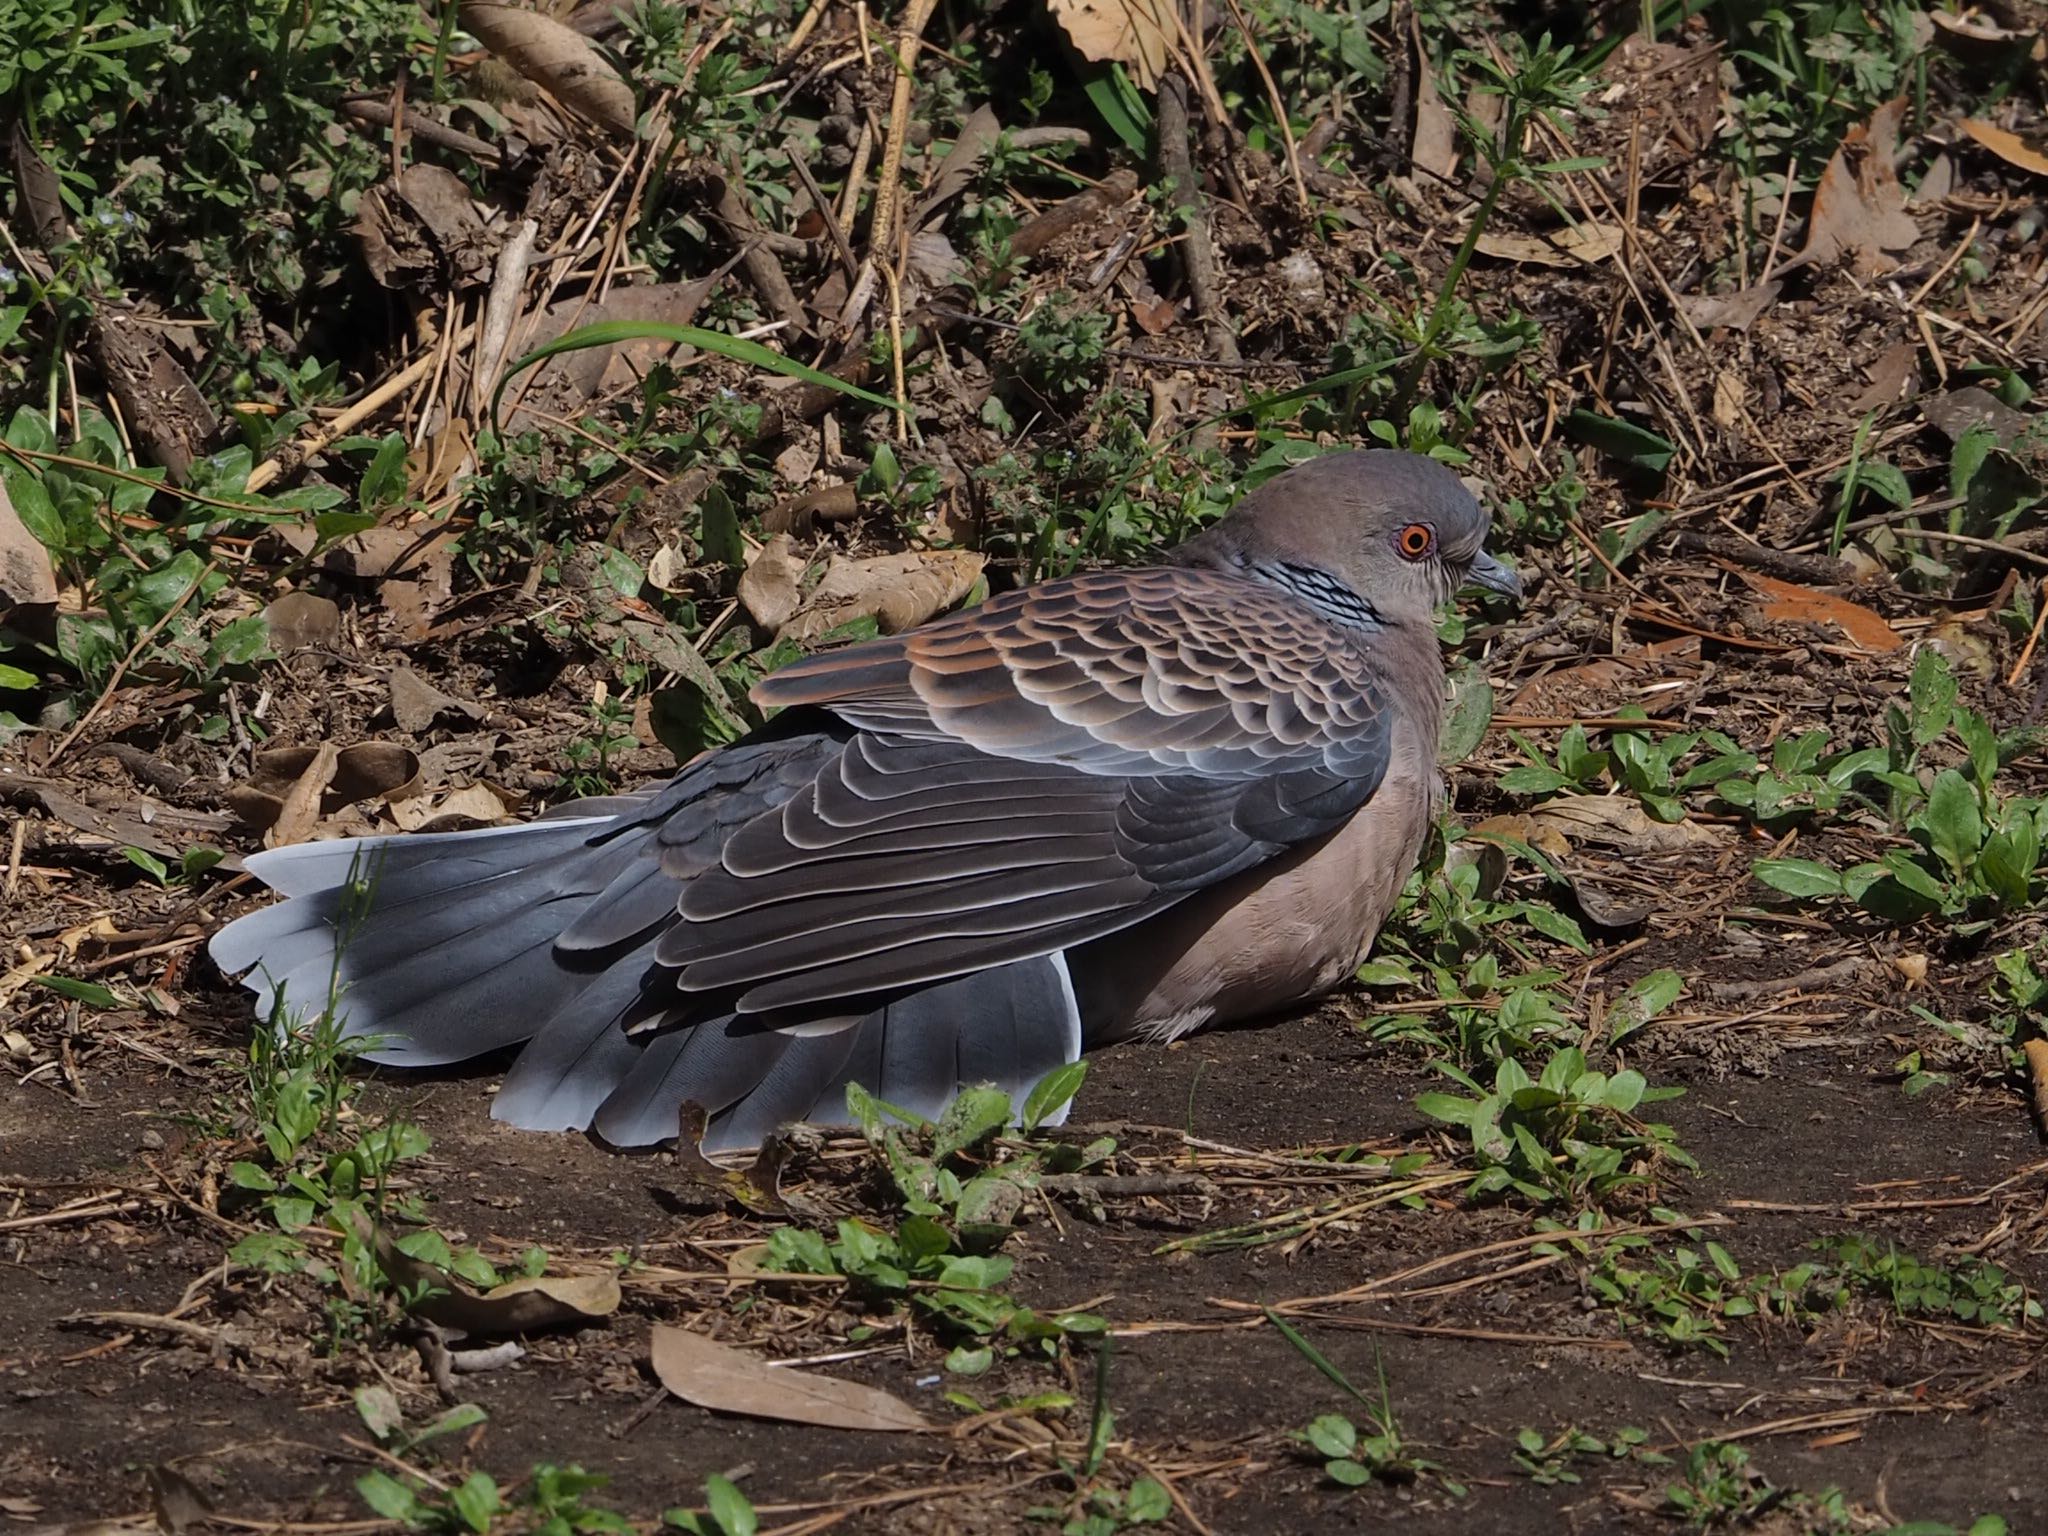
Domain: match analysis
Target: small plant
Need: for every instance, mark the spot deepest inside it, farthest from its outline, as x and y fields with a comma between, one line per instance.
x=1060, y=349
x=1970, y=1291
x=553, y=1500
x=1569, y=1134
x=1095, y=1506
x=1720, y=1488
x=960, y=1193
x=1547, y=1459
x=727, y=1512
x=1349, y=1457
x=1685, y=1298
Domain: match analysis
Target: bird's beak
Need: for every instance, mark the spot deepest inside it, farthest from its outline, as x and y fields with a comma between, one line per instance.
x=1490, y=575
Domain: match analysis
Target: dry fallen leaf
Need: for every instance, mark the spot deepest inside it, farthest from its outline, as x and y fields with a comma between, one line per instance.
x=1859, y=209
x=517, y=1306
x=555, y=56
x=728, y=1380
x=417, y=703
x=1735, y=311
x=2009, y=147
x=897, y=591
x=1575, y=245
x=298, y=812
x=771, y=589
x=1791, y=603
x=362, y=772
x=1133, y=33
x=299, y=619
x=26, y=574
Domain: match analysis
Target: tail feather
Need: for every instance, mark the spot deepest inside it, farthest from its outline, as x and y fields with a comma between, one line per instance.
x=451, y=946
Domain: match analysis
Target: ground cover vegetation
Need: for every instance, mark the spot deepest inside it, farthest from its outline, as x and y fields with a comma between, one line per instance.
x=416, y=414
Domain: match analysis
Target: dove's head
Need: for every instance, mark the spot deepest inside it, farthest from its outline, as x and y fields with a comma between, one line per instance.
x=1396, y=530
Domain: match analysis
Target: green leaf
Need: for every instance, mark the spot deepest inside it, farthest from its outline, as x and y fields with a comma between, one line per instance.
x=1349, y=1473
x=2010, y=855
x=1533, y=779
x=248, y=1176
x=1632, y=445
x=1053, y=1093
x=1332, y=1435
x=1117, y=99
x=1642, y=1002
x=720, y=533
x=1932, y=695
x=149, y=864
x=388, y=1497
x=612, y=333
x=1471, y=712
x=1448, y=1108
x=730, y=1508
x=1953, y=822
x=1147, y=1503
x=15, y=679
x=384, y=481
x=91, y=993
x=476, y=1501
x=1798, y=877
x=33, y=506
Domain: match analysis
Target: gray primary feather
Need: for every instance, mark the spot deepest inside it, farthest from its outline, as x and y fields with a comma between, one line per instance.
x=901, y=880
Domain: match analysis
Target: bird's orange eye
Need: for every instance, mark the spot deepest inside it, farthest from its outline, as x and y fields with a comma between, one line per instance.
x=1415, y=540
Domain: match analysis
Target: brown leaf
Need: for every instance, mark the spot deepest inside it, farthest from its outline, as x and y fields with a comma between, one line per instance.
x=1575, y=245
x=1618, y=821
x=299, y=812
x=517, y=1306
x=1859, y=209
x=727, y=1380
x=1735, y=311
x=1791, y=603
x=897, y=591
x=417, y=703
x=1893, y=377
x=1134, y=33
x=1433, y=150
x=771, y=589
x=556, y=57
x=2009, y=147
x=27, y=575
x=165, y=408
x=299, y=619
x=972, y=145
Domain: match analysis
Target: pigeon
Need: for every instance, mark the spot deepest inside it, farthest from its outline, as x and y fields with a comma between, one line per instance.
x=1121, y=805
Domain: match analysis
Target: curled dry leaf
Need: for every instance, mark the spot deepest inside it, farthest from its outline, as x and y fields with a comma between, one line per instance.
x=1134, y=33
x=896, y=591
x=556, y=57
x=365, y=771
x=1791, y=603
x=298, y=809
x=517, y=1306
x=2009, y=147
x=728, y=1380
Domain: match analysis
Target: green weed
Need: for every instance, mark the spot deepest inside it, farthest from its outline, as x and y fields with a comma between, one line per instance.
x=960, y=1184
x=1547, y=1459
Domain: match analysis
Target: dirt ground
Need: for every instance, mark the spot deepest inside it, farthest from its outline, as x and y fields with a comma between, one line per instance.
x=1917, y=1421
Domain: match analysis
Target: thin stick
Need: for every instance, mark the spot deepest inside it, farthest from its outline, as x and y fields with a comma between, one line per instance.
x=2012, y=681
x=351, y=418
